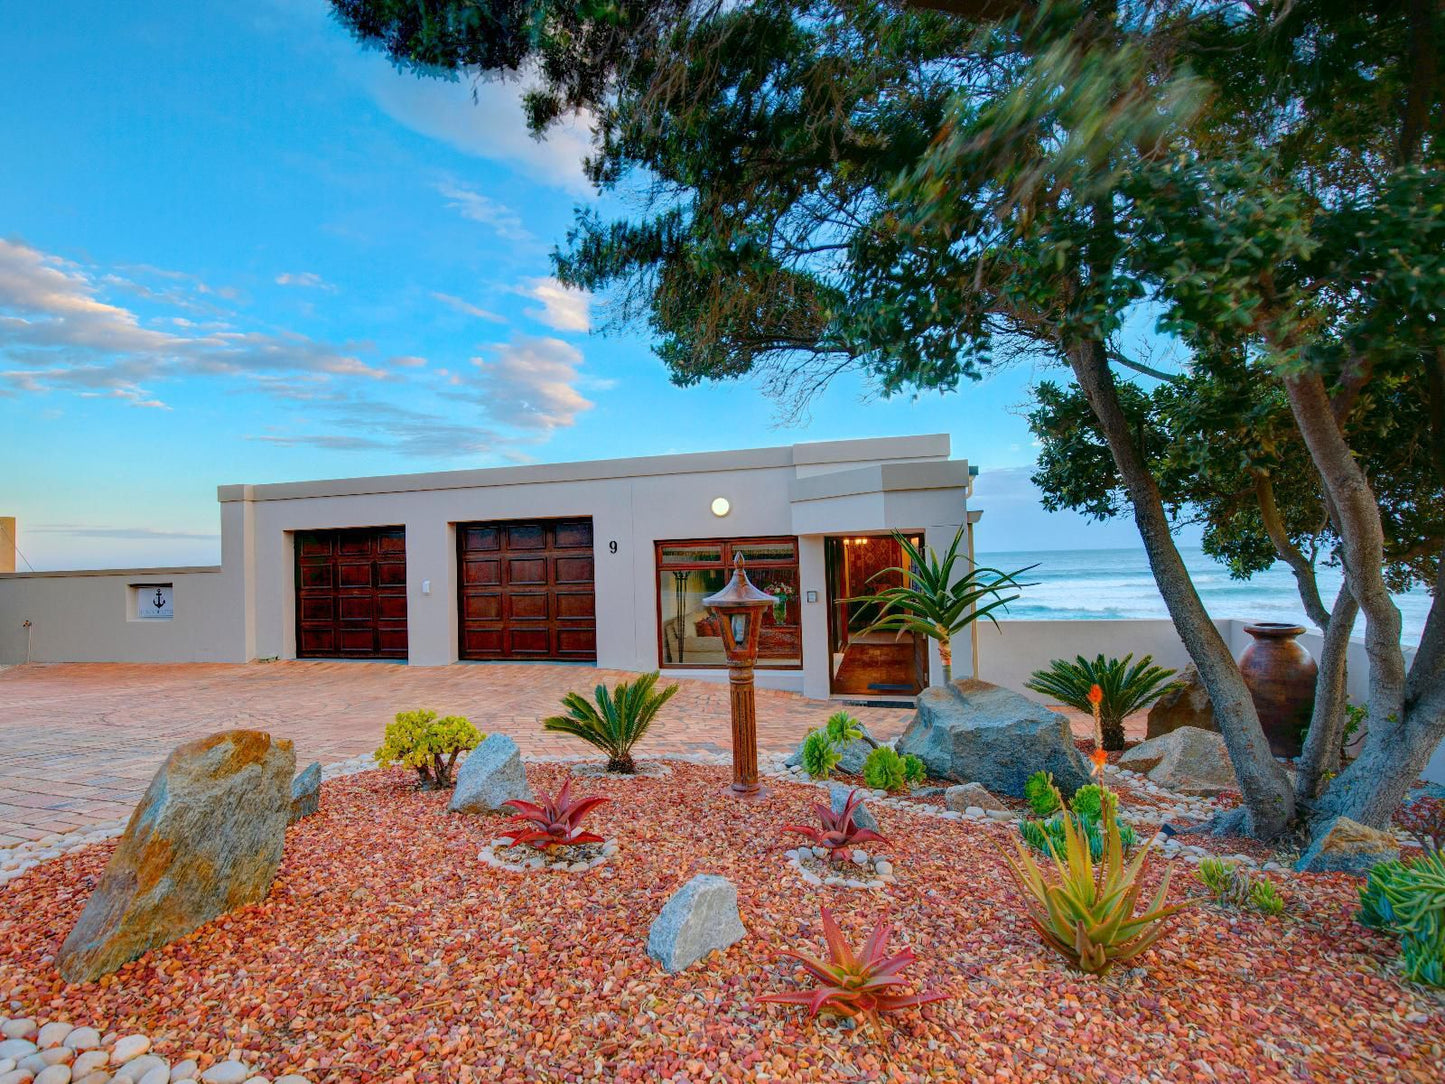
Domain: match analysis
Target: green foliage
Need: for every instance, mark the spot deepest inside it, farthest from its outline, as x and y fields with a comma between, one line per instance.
x=886, y=770
x=820, y=755
x=617, y=721
x=1042, y=795
x=431, y=745
x=936, y=601
x=1232, y=885
x=1086, y=814
x=1407, y=900
x=1086, y=913
x=1126, y=688
x=842, y=728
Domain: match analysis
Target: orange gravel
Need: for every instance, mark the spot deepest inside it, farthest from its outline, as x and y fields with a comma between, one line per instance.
x=388, y=952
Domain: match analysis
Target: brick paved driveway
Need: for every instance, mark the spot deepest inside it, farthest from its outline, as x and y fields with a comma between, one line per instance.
x=80, y=741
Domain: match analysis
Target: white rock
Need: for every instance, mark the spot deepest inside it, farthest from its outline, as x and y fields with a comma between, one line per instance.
x=185, y=1070
x=259, y=1080
x=53, y=1033
x=883, y=867
x=20, y=1028
x=161, y=1074
x=811, y=877
x=90, y=1061
x=292, y=1078
x=17, y=1076
x=860, y=856
x=132, y=1046
x=17, y=1048
x=138, y=1068
x=83, y=1039
x=820, y=852
x=226, y=1072
x=6, y=1064
x=55, y=1074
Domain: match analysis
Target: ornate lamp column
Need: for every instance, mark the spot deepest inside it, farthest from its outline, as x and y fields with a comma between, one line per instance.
x=739, y=608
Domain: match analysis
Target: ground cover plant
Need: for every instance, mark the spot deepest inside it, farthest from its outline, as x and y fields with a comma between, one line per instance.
x=387, y=952
x=1123, y=688
x=886, y=770
x=1232, y=885
x=431, y=745
x=616, y=721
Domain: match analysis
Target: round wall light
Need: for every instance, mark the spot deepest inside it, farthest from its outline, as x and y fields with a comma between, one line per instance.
x=720, y=506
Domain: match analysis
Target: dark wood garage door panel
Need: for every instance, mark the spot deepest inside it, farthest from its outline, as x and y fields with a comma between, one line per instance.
x=351, y=593
x=527, y=590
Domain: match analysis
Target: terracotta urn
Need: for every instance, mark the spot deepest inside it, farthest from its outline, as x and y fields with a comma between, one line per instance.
x=1280, y=675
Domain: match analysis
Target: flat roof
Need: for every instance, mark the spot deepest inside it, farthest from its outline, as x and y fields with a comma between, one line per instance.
x=818, y=453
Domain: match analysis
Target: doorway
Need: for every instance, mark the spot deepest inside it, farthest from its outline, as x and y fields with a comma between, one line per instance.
x=869, y=663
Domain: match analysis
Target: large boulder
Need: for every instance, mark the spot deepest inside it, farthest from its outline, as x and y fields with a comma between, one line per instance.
x=1187, y=705
x=491, y=776
x=206, y=839
x=700, y=916
x=1345, y=846
x=974, y=732
x=1187, y=760
x=852, y=754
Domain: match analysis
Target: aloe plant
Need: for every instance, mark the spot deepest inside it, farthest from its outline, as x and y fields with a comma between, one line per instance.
x=838, y=833
x=1086, y=912
x=552, y=821
x=860, y=985
x=616, y=722
x=1123, y=688
x=938, y=601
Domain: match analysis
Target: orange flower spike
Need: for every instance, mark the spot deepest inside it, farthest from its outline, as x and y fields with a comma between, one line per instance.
x=1096, y=698
x=1100, y=758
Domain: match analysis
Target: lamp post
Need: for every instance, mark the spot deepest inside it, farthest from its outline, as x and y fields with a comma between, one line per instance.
x=739, y=609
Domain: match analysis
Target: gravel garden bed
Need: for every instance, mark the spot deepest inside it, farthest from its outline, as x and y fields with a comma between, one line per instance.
x=388, y=952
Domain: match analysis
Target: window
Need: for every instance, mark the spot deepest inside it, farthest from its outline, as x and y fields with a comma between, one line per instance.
x=688, y=571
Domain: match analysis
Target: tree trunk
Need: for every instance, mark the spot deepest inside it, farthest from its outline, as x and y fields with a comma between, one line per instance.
x=1327, y=723
x=1268, y=799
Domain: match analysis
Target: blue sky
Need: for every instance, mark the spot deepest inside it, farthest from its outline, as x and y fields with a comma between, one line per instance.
x=234, y=247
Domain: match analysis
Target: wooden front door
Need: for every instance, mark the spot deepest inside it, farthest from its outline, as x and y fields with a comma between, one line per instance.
x=351, y=593
x=527, y=590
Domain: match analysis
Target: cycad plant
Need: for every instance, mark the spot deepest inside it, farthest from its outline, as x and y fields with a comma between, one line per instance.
x=616, y=722
x=1086, y=912
x=936, y=600
x=1126, y=688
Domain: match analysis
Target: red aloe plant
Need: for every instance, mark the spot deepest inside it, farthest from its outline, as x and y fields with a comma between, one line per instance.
x=839, y=833
x=554, y=820
x=855, y=985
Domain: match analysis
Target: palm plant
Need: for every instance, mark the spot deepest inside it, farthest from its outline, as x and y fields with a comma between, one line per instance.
x=616, y=722
x=1125, y=688
x=935, y=600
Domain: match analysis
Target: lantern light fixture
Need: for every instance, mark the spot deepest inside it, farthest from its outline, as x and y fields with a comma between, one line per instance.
x=721, y=506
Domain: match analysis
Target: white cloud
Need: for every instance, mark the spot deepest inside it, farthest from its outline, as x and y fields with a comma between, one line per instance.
x=373, y=426
x=485, y=119
x=407, y=361
x=306, y=280
x=473, y=205
x=467, y=308
x=563, y=309
x=58, y=332
x=530, y=383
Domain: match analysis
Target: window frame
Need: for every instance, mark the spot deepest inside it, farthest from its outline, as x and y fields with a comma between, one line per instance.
x=726, y=547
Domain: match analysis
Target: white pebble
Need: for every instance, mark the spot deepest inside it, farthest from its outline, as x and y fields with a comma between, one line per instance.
x=17, y=1048
x=132, y=1046
x=53, y=1033
x=226, y=1072
x=138, y=1068
x=83, y=1039
x=55, y=1074
x=90, y=1061
x=185, y=1070
x=21, y=1028
x=883, y=867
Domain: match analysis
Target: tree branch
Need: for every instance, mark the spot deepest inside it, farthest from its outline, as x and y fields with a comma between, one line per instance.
x=1139, y=367
x=1300, y=565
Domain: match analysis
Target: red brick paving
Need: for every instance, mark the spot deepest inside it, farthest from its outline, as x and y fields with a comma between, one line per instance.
x=80, y=741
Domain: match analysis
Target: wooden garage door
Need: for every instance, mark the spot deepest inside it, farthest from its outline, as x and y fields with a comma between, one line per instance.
x=526, y=590
x=351, y=593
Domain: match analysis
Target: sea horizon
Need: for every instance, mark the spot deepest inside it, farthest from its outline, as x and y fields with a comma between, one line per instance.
x=1115, y=582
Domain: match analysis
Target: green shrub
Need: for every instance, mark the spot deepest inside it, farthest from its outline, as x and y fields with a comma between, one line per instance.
x=616, y=722
x=1407, y=899
x=429, y=744
x=842, y=728
x=914, y=770
x=883, y=770
x=1086, y=810
x=1234, y=886
x=820, y=755
x=1126, y=688
x=1041, y=793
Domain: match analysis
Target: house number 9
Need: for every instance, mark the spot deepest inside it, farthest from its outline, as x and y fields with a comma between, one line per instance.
x=612, y=547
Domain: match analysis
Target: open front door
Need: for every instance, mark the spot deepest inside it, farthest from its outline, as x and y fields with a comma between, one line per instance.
x=868, y=663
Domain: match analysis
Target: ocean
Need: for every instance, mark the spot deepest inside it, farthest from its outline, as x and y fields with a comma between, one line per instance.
x=1079, y=585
